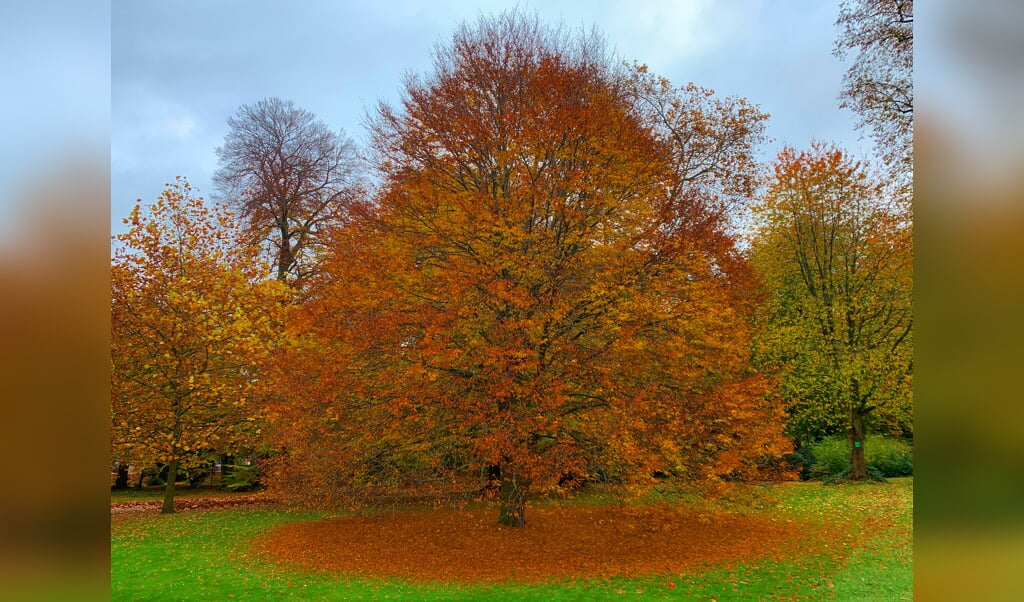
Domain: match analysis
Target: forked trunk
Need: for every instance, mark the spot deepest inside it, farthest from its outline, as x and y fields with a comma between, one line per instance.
x=858, y=466
x=512, y=495
x=172, y=476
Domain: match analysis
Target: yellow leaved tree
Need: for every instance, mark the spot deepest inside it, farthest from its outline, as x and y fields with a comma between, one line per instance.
x=836, y=255
x=191, y=322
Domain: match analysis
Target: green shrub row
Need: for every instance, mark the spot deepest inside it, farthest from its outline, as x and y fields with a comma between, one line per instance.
x=830, y=458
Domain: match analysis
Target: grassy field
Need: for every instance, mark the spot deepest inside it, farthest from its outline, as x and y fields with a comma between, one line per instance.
x=205, y=556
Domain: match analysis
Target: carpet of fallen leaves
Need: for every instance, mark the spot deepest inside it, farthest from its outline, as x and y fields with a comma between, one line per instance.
x=190, y=503
x=556, y=543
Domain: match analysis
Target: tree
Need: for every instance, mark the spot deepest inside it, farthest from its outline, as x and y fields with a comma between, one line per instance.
x=192, y=319
x=536, y=290
x=290, y=178
x=711, y=143
x=837, y=258
x=879, y=84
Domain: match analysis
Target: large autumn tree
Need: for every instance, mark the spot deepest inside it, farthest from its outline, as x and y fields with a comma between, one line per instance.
x=835, y=252
x=192, y=318
x=290, y=178
x=544, y=286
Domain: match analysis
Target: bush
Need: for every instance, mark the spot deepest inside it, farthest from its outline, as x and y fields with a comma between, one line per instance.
x=892, y=457
x=831, y=458
x=200, y=475
x=873, y=474
x=802, y=459
x=241, y=477
x=886, y=457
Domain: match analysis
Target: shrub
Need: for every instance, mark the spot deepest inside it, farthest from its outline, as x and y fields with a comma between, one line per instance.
x=200, y=475
x=873, y=475
x=802, y=460
x=157, y=476
x=831, y=458
x=886, y=457
x=242, y=477
x=892, y=457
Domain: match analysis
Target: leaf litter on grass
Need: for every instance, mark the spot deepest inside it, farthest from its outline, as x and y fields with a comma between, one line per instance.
x=557, y=543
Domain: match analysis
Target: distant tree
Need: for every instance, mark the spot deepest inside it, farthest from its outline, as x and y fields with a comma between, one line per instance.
x=879, y=84
x=289, y=177
x=541, y=287
x=191, y=320
x=836, y=256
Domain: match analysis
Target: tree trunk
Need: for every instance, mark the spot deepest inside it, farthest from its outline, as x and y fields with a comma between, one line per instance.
x=122, y=477
x=858, y=466
x=284, y=256
x=513, y=500
x=172, y=476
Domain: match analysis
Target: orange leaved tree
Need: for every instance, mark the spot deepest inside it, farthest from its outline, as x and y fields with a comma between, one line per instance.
x=192, y=319
x=542, y=287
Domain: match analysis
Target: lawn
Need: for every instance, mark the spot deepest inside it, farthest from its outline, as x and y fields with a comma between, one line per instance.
x=216, y=554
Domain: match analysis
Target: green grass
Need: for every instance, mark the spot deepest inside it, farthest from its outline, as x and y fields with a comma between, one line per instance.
x=879, y=569
x=203, y=556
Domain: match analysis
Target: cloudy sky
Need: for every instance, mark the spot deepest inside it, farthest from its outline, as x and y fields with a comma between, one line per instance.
x=180, y=69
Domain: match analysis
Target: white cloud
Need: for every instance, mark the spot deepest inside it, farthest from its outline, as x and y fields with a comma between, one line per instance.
x=663, y=33
x=180, y=126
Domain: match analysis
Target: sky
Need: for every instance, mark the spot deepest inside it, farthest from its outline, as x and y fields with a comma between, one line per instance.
x=180, y=69
x=54, y=114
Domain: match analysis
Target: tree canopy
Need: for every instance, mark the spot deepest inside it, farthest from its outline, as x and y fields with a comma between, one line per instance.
x=542, y=285
x=290, y=178
x=191, y=322
x=879, y=84
x=835, y=252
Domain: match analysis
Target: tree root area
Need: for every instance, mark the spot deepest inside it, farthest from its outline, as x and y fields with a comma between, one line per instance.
x=556, y=544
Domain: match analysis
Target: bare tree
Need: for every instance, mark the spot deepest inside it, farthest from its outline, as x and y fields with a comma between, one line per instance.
x=290, y=177
x=879, y=84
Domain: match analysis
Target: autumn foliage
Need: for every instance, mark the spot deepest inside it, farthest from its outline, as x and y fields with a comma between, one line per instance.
x=192, y=318
x=836, y=254
x=544, y=284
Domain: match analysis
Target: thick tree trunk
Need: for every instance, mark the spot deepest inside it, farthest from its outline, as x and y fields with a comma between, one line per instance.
x=512, y=495
x=284, y=256
x=858, y=466
x=172, y=476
